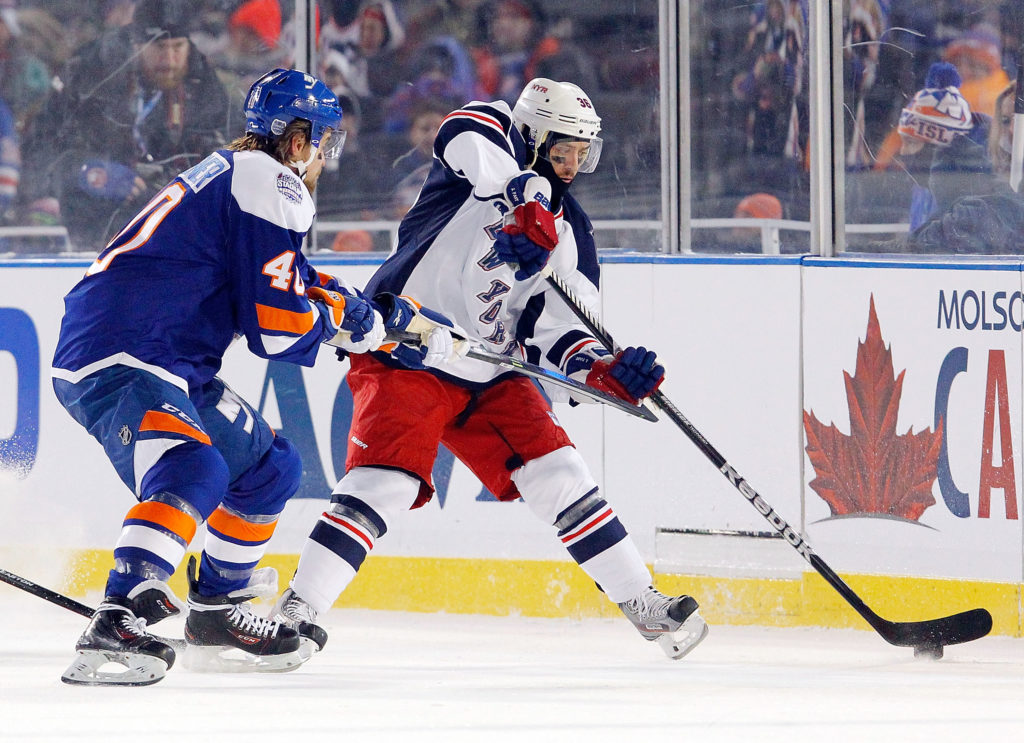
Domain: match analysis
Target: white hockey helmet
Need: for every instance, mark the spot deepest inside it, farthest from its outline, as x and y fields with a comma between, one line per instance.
x=558, y=110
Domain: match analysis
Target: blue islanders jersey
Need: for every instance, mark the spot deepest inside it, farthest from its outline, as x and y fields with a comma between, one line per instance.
x=445, y=255
x=215, y=254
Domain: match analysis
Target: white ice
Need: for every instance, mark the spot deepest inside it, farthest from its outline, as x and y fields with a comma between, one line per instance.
x=439, y=677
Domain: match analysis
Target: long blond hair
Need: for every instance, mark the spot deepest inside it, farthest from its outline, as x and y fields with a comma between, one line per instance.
x=278, y=148
x=1000, y=157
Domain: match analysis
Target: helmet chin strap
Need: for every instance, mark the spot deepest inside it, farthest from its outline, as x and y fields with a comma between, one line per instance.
x=303, y=166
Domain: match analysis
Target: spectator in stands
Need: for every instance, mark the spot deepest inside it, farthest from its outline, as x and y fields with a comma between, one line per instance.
x=978, y=57
x=1000, y=141
x=772, y=80
x=24, y=78
x=354, y=186
x=254, y=29
x=754, y=206
x=441, y=69
x=740, y=239
x=247, y=45
x=410, y=169
x=117, y=13
x=513, y=44
x=975, y=211
x=366, y=62
x=769, y=93
x=864, y=24
x=939, y=130
x=457, y=19
x=129, y=111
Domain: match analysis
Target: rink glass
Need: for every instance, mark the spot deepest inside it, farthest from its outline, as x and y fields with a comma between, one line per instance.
x=729, y=128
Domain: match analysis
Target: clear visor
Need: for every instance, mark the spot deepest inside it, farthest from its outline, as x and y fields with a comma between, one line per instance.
x=332, y=142
x=563, y=150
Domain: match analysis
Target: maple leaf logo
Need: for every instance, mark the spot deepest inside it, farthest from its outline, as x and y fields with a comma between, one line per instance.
x=873, y=470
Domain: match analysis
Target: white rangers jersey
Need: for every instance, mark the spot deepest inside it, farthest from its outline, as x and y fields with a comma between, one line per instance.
x=445, y=258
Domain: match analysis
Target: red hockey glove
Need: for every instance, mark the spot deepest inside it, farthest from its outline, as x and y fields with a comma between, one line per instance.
x=632, y=375
x=529, y=234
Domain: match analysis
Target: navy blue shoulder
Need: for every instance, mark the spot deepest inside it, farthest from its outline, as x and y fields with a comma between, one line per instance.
x=583, y=230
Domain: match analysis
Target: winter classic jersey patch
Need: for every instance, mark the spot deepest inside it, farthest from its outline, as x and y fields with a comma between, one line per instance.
x=290, y=187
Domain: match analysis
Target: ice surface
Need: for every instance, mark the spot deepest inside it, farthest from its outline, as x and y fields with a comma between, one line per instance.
x=434, y=677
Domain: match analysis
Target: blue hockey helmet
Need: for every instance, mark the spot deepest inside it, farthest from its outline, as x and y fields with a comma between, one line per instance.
x=281, y=96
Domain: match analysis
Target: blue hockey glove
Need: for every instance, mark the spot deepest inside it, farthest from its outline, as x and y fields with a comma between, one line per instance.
x=529, y=234
x=435, y=330
x=107, y=180
x=513, y=247
x=631, y=375
x=352, y=323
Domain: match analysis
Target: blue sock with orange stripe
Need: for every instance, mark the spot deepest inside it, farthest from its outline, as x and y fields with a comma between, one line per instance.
x=179, y=491
x=235, y=543
x=152, y=543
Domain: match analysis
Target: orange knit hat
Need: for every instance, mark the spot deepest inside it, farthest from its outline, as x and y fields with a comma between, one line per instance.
x=759, y=206
x=262, y=17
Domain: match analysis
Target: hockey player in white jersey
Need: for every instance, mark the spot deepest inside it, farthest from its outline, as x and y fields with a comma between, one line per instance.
x=215, y=255
x=493, y=211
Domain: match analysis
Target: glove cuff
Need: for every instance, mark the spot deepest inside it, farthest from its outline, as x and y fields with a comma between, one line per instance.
x=525, y=187
x=397, y=311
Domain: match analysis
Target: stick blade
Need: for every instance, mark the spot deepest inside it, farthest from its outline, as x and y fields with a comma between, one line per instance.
x=936, y=633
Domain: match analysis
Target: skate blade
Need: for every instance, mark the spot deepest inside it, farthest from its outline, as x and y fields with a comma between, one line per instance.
x=110, y=668
x=224, y=659
x=686, y=638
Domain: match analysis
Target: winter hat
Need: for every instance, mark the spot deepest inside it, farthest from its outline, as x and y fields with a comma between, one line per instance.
x=759, y=206
x=938, y=112
x=262, y=17
x=156, y=19
x=981, y=44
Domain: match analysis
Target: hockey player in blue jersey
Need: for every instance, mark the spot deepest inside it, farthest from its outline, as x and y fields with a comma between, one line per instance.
x=214, y=256
x=492, y=213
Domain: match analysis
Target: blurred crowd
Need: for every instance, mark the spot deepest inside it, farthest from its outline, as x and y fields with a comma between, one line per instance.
x=903, y=61
x=93, y=115
x=103, y=100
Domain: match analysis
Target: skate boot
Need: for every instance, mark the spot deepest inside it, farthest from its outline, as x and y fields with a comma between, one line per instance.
x=115, y=636
x=153, y=600
x=223, y=634
x=672, y=622
x=294, y=612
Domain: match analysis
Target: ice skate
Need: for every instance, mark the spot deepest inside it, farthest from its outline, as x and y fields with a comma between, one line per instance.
x=672, y=622
x=115, y=649
x=294, y=612
x=153, y=600
x=223, y=634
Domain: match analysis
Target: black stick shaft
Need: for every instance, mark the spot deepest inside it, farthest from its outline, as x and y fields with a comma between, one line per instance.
x=777, y=522
x=45, y=593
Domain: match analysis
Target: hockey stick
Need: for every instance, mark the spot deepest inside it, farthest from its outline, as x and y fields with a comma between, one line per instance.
x=1017, y=145
x=539, y=372
x=926, y=637
x=69, y=603
x=45, y=593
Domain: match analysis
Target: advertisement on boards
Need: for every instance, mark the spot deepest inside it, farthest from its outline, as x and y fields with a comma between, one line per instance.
x=912, y=418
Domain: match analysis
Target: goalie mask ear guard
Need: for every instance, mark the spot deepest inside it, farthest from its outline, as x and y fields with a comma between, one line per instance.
x=547, y=108
x=281, y=96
